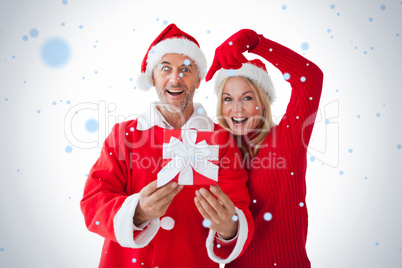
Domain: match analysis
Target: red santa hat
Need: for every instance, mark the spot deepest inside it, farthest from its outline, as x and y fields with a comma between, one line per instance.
x=254, y=70
x=170, y=40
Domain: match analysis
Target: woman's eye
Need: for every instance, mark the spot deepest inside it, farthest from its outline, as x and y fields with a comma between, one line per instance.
x=248, y=98
x=227, y=99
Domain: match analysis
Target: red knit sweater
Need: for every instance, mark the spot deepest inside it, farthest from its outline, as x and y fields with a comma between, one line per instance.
x=277, y=183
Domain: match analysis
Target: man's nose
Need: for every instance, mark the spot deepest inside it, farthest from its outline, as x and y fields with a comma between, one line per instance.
x=175, y=76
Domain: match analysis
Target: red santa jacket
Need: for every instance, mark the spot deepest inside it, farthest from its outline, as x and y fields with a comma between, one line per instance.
x=130, y=159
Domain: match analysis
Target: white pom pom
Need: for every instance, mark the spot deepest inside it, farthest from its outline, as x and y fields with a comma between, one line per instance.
x=144, y=81
x=167, y=223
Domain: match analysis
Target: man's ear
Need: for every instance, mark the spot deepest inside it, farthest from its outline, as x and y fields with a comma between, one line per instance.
x=197, y=85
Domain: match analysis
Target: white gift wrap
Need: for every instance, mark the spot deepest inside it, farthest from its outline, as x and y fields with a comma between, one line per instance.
x=188, y=156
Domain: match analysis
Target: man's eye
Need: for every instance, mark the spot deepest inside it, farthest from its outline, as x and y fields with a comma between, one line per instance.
x=186, y=70
x=165, y=68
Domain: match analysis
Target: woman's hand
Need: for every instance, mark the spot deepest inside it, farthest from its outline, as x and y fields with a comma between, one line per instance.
x=229, y=55
x=220, y=212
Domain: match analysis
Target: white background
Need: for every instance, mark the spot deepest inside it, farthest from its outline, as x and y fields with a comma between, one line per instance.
x=354, y=219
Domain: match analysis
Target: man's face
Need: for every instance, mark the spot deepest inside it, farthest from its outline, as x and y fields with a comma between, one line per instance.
x=175, y=79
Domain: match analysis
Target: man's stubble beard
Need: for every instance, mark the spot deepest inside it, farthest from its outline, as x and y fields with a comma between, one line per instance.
x=171, y=108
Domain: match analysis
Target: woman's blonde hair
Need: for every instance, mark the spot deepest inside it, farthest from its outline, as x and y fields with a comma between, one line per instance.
x=250, y=146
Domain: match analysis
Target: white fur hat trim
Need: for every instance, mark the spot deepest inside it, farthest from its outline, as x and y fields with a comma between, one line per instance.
x=257, y=75
x=173, y=45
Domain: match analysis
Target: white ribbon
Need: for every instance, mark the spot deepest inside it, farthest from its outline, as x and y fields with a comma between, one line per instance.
x=186, y=156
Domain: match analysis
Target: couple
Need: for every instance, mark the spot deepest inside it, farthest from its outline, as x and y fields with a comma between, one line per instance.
x=253, y=217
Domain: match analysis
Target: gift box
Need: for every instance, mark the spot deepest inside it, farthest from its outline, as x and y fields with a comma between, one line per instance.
x=190, y=157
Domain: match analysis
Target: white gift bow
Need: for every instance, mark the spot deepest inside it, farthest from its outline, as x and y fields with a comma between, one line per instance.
x=185, y=155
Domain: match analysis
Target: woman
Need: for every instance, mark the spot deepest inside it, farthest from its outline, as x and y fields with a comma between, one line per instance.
x=276, y=156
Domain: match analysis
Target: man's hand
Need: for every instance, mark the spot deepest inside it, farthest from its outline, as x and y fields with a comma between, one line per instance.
x=155, y=201
x=220, y=212
x=229, y=55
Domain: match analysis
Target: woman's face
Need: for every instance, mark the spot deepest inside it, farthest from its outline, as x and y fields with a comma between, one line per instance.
x=240, y=108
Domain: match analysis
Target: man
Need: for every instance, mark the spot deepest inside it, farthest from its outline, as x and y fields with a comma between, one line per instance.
x=149, y=224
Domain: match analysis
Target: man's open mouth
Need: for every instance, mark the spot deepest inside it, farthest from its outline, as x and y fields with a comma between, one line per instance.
x=175, y=92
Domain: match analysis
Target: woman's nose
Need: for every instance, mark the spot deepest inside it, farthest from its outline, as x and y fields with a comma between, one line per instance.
x=237, y=106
